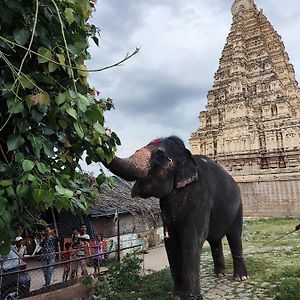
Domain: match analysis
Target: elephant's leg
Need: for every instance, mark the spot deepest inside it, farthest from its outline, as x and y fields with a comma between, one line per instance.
x=191, y=245
x=234, y=238
x=175, y=261
x=218, y=258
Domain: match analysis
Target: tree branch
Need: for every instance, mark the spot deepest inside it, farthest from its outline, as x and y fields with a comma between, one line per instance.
x=118, y=63
x=128, y=56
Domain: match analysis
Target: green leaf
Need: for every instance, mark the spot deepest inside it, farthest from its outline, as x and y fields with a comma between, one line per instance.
x=42, y=195
x=82, y=71
x=15, y=106
x=61, y=98
x=83, y=102
x=27, y=82
x=10, y=191
x=3, y=203
x=79, y=130
x=6, y=217
x=72, y=112
x=61, y=60
x=52, y=67
x=19, y=157
x=31, y=178
x=46, y=55
x=101, y=179
x=111, y=182
x=81, y=46
x=64, y=192
x=6, y=182
x=73, y=94
x=99, y=128
x=27, y=165
x=100, y=153
x=95, y=115
x=41, y=167
x=21, y=36
x=14, y=142
x=69, y=14
x=48, y=148
x=22, y=190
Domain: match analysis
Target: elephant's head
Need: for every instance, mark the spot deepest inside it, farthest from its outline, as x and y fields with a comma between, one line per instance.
x=158, y=168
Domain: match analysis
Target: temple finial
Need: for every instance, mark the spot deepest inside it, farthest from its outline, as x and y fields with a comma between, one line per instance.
x=241, y=6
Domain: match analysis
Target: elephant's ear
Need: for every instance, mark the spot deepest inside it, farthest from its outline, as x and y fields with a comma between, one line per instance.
x=187, y=171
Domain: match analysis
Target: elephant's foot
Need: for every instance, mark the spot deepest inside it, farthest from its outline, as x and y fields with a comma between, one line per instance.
x=220, y=275
x=240, y=272
x=220, y=272
x=241, y=278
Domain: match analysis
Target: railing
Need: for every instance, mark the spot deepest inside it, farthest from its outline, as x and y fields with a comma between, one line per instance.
x=40, y=272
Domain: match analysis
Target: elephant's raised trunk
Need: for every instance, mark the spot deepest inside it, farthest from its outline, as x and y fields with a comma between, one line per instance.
x=132, y=168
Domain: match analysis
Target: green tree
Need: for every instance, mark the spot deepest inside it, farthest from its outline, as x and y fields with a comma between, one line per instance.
x=49, y=115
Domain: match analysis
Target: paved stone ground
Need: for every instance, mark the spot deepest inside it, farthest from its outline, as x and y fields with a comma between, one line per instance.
x=212, y=287
x=226, y=288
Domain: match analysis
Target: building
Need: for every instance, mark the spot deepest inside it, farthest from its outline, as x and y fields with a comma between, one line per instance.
x=251, y=125
x=136, y=216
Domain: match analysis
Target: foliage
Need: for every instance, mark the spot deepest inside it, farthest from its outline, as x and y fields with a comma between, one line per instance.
x=289, y=289
x=49, y=115
x=124, y=276
x=153, y=239
x=274, y=269
x=156, y=286
x=272, y=261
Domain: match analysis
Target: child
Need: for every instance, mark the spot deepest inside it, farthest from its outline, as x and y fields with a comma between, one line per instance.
x=66, y=256
x=75, y=248
x=99, y=251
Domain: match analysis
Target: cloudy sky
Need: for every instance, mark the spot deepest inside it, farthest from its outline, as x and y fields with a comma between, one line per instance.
x=161, y=90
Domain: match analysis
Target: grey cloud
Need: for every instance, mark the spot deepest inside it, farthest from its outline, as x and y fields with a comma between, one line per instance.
x=161, y=90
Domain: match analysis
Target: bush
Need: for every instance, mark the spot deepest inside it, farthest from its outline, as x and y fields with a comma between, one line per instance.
x=124, y=276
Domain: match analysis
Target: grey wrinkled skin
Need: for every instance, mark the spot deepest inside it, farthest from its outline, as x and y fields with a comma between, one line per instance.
x=199, y=201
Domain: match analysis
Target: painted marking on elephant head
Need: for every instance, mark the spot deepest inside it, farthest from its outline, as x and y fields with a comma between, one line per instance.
x=155, y=142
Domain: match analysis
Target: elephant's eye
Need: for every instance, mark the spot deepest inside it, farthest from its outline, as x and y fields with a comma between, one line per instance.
x=158, y=157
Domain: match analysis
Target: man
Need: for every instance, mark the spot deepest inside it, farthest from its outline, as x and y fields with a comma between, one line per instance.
x=84, y=249
x=49, y=246
x=83, y=232
x=19, y=247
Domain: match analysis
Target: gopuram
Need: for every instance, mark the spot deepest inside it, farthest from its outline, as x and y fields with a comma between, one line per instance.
x=251, y=125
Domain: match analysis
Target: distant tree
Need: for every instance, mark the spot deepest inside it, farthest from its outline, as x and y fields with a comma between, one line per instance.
x=49, y=115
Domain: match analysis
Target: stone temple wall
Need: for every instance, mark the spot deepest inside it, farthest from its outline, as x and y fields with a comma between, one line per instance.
x=271, y=198
x=251, y=123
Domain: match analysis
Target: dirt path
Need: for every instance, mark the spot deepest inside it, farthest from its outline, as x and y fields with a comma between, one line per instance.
x=156, y=259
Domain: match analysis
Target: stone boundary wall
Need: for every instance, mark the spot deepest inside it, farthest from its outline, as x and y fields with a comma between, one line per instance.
x=270, y=198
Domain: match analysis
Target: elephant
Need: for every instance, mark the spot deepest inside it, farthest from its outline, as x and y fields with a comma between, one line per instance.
x=199, y=201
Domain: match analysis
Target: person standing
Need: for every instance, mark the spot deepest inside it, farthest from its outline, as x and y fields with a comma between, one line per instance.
x=84, y=249
x=66, y=257
x=99, y=252
x=19, y=247
x=49, y=246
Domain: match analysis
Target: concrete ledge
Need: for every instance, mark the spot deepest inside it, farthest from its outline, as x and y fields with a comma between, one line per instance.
x=75, y=291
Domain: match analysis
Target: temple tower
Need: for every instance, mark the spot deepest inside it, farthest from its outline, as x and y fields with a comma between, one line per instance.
x=251, y=124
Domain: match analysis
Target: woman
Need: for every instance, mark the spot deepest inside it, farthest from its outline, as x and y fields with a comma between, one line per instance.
x=48, y=244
